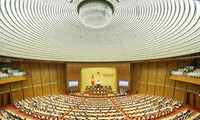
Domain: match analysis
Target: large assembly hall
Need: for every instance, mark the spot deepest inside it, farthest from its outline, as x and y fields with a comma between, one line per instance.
x=99, y=59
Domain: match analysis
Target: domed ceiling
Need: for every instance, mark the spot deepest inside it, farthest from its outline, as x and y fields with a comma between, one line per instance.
x=140, y=29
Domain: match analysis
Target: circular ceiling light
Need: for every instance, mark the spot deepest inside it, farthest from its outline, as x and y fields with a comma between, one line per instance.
x=95, y=13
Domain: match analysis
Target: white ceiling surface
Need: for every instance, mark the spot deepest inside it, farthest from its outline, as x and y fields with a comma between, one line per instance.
x=140, y=29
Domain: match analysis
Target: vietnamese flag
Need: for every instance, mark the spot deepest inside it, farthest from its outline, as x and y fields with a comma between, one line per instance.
x=92, y=81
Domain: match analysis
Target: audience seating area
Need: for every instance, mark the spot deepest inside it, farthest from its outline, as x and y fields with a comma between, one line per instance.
x=94, y=109
x=196, y=116
x=137, y=107
x=181, y=116
x=186, y=114
x=49, y=107
x=9, y=115
x=145, y=107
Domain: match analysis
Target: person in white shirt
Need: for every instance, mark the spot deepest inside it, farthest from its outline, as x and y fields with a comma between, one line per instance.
x=98, y=82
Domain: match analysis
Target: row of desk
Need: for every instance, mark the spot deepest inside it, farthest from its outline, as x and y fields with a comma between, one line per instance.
x=98, y=91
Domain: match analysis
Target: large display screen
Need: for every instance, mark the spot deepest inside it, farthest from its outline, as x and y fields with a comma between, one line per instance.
x=72, y=83
x=123, y=83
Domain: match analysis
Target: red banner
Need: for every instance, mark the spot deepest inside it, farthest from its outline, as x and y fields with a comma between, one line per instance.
x=92, y=81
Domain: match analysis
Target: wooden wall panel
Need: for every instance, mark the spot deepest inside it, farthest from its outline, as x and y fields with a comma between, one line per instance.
x=15, y=85
x=35, y=70
x=43, y=80
x=135, y=87
x=5, y=99
x=35, y=73
x=170, y=84
x=153, y=65
x=53, y=72
x=156, y=77
x=159, y=90
x=38, y=91
x=46, y=89
x=28, y=92
x=123, y=70
x=144, y=71
x=169, y=92
x=150, y=89
x=17, y=95
x=61, y=88
x=191, y=99
x=1, y=101
x=61, y=78
x=181, y=85
x=44, y=69
x=143, y=88
x=144, y=77
x=25, y=65
x=179, y=95
x=172, y=65
x=193, y=87
x=36, y=81
x=161, y=72
x=136, y=72
x=27, y=85
x=161, y=77
x=136, y=78
x=73, y=71
x=61, y=72
x=4, y=88
x=17, y=91
x=197, y=104
x=54, y=88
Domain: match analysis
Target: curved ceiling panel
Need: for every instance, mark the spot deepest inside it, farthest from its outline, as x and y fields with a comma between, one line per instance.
x=139, y=30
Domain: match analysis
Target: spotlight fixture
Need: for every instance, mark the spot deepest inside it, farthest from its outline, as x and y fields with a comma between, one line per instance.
x=95, y=13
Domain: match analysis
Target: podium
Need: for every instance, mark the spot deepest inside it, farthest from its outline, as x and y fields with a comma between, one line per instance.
x=98, y=85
